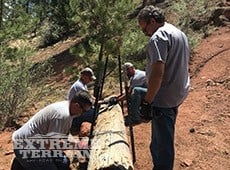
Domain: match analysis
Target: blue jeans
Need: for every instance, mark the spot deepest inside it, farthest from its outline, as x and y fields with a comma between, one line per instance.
x=162, y=144
x=135, y=101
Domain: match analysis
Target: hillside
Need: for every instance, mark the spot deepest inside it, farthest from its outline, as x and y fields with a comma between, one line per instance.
x=202, y=140
x=202, y=130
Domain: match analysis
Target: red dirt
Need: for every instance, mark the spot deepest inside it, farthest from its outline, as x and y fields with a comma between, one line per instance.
x=206, y=110
x=202, y=139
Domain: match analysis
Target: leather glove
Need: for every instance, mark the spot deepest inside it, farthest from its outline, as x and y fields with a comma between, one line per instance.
x=112, y=101
x=145, y=111
x=109, y=100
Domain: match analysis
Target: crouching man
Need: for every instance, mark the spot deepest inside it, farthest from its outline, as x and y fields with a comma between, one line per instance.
x=40, y=142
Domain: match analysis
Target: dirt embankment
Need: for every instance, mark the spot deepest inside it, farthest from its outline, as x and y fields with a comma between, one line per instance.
x=202, y=140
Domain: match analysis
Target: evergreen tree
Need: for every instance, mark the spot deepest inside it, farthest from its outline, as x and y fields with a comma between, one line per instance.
x=17, y=74
x=106, y=25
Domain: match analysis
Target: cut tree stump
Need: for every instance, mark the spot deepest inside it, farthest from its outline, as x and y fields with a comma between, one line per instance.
x=110, y=148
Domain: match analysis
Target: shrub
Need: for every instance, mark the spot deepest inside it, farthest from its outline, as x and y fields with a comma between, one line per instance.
x=18, y=86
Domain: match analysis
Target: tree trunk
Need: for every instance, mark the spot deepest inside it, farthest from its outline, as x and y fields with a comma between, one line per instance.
x=110, y=147
x=1, y=13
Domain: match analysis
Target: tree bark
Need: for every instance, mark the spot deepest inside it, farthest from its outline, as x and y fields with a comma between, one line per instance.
x=110, y=148
x=1, y=13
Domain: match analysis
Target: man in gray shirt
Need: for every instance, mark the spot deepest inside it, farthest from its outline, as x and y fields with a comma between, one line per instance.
x=38, y=143
x=168, y=82
x=137, y=90
x=86, y=76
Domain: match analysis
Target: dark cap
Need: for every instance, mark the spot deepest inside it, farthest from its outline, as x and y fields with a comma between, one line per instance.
x=89, y=72
x=83, y=97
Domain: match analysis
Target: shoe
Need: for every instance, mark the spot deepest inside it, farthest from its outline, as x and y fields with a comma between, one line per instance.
x=145, y=120
x=131, y=122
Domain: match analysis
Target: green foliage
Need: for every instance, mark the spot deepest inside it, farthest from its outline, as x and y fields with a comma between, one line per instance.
x=193, y=40
x=188, y=11
x=181, y=9
x=16, y=19
x=57, y=22
x=134, y=41
x=69, y=70
x=104, y=21
x=111, y=33
x=17, y=79
x=108, y=34
x=51, y=34
x=80, y=51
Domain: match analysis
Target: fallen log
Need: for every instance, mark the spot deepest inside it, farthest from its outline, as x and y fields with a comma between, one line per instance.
x=109, y=147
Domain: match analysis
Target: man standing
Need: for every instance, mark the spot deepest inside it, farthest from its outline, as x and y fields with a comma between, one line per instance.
x=168, y=82
x=86, y=76
x=40, y=142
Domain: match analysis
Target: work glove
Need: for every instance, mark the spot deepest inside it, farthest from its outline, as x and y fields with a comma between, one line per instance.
x=112, y=101
x=145, y=111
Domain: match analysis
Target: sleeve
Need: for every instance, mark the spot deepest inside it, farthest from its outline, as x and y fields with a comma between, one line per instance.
x=71, y=93
x=158, y=50
x=76, y=87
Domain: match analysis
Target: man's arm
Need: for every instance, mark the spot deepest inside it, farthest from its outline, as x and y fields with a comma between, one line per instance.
x=154, y=81
x=123, y=96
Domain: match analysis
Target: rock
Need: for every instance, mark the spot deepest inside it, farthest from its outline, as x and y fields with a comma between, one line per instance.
x=186, y=163
x=8, y=152
x=210, y=82
x=192, y=130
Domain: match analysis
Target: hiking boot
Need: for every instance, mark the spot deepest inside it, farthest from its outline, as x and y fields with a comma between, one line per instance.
x=131, y=122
